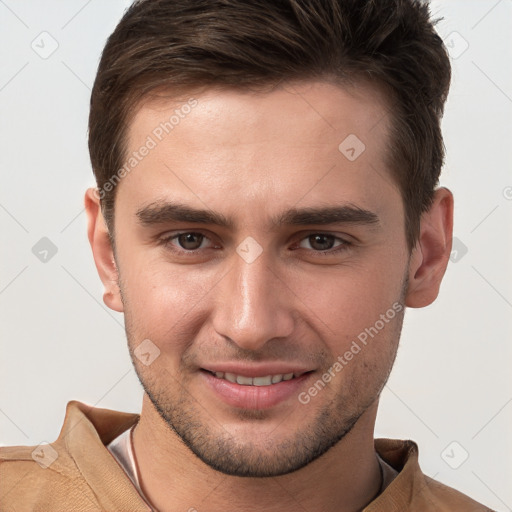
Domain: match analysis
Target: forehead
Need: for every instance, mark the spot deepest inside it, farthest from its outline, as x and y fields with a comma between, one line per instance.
x=299, y=142
x=309, y=110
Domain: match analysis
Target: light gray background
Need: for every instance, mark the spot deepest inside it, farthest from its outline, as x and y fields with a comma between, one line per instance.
x=451, y=381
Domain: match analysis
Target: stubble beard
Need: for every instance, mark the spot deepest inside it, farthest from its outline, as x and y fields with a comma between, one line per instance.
x=227, y=453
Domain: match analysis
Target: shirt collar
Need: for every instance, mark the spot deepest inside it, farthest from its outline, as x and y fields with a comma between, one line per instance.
x=86, y=426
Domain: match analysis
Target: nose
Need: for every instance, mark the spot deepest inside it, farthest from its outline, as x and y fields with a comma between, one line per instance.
x=253, y=304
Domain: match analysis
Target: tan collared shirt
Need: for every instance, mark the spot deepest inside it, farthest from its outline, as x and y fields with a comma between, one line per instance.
x=78, y=473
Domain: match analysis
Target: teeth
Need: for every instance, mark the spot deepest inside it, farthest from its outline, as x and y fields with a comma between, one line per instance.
x=262, y=381
x=253, y=381
x=231, y=377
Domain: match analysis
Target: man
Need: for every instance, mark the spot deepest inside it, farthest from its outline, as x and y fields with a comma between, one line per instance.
x=266, y=208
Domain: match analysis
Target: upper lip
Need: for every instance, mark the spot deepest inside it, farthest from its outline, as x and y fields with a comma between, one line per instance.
x=257, y=370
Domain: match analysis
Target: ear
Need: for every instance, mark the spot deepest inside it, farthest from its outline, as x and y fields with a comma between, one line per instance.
x=431, y=254
x=102, y=250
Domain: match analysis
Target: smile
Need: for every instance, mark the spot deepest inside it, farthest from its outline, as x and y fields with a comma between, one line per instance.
x=267, y=380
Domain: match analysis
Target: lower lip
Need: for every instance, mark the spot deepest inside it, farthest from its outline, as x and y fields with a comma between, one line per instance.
x=254, y=397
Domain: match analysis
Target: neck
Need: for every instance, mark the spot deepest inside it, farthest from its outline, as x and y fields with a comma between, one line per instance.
x=345, y=479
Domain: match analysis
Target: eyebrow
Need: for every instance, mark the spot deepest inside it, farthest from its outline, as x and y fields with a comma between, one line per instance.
x=162, y=212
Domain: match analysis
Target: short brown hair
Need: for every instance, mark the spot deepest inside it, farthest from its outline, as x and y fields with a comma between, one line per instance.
x=180, y=44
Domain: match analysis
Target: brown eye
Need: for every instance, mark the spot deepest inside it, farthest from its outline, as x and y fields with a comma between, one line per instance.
x=321, y=242
x=187, y=243
x=324, y=244
x=190, y=241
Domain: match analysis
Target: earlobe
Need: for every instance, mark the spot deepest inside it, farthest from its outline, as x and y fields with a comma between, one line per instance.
x=431, y=254
x=103, y=253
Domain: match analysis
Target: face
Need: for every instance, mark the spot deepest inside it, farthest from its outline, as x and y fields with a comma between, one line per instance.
x=262, y=253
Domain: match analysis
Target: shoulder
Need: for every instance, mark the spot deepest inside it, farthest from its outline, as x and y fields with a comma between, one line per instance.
x=38, y=477
x=412, y=489
x=449, y=499
x=75, y=472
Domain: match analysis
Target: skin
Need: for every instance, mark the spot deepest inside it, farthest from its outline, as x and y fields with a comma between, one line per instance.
x=251, y=156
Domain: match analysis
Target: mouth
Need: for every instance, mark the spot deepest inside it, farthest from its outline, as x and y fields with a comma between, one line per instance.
x=261, y=390
x=267, y=380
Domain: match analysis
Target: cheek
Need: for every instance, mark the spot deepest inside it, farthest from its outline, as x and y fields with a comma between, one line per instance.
x=162, y=301
x=359, y=314
x=346, y=300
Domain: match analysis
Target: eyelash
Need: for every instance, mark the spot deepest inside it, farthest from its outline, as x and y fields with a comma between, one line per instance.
x=344, y=246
